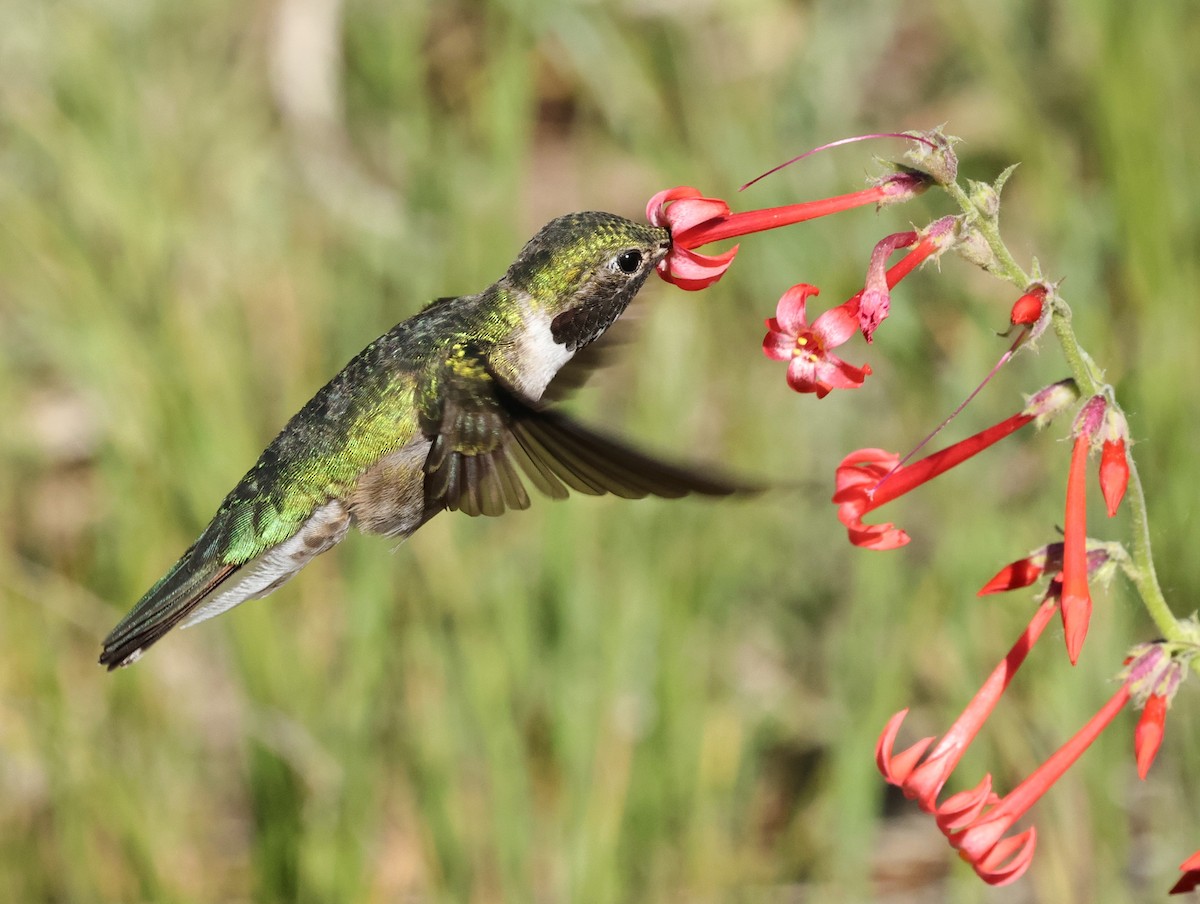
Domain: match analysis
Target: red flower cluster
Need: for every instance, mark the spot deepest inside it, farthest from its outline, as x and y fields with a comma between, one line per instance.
x=976, y=822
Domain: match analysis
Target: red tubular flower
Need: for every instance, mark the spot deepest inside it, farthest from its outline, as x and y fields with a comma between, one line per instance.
x=1077, y=600
x=1190, y=880
x=869, y=478
x=694, y=220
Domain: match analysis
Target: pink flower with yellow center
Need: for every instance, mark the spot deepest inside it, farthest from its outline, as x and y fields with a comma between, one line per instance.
x=812, y=367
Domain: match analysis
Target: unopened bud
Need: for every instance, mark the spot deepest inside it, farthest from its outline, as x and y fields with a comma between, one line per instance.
x=1048, y=403
x=984, y=198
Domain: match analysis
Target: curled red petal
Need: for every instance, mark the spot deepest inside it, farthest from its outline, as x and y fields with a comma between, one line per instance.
x=896, y=767
x=961, y=809
x=693, y=271
x=791, y=310
x=1148, y=735
x=1007, y=861
x=859, y=471
x=680, y=208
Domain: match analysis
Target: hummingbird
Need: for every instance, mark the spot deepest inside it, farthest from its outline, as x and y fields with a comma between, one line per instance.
x=445, y=411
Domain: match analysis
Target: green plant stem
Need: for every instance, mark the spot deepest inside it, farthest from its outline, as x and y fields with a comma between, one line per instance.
x=1088, y=376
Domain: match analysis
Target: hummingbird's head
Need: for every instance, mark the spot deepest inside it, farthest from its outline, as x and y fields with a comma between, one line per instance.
x=582, y=270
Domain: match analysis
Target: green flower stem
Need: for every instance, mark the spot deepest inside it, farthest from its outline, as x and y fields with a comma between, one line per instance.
x=1140, y=565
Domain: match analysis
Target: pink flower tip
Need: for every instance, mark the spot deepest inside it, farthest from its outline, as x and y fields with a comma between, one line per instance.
x=875, y=300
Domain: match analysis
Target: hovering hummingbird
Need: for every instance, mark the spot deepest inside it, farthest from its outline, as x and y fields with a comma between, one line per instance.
x=441, y=412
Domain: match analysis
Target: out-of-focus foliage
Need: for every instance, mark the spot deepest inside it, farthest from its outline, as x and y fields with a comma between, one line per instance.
x=207, y=208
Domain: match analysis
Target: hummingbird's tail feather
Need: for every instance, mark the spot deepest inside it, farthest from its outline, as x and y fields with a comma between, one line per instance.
x=202, y=585
x=192, y=579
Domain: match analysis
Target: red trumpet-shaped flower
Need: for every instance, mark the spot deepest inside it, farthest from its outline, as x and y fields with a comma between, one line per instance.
x=812, y=367
x=976, y=821
x=694, y=221
x=1077, y=600
x=870, y=478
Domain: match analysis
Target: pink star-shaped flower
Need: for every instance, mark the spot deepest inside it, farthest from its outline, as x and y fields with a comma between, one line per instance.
x=812, y=367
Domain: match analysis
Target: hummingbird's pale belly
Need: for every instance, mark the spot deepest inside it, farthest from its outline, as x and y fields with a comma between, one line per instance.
x=389, y=497
x=270, y=570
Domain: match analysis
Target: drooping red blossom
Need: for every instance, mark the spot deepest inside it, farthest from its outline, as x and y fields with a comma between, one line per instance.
x=1190, y=880
x=812, y=367
x=869, y=478
x=875, y=301
x=694, y=221
x=1077, y=599
x=875, y=298
x=976, y=821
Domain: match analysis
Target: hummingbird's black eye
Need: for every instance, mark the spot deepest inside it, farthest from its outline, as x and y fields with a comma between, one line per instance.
x=629, y=261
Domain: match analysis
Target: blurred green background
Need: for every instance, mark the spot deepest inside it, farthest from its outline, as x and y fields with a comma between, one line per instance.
x=206, y=209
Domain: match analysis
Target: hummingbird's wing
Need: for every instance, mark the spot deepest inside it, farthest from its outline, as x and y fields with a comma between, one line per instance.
x=484, y=436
